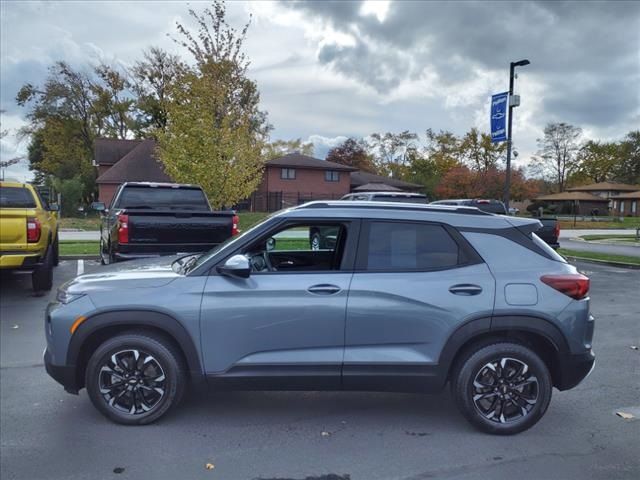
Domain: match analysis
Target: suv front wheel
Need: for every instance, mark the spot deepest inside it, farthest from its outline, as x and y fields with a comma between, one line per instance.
x=135, y=378
x=503, y=388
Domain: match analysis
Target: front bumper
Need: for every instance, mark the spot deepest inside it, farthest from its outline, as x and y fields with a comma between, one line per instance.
x=65, y=375
x=572, y=369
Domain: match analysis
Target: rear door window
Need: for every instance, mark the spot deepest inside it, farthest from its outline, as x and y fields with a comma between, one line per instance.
x=16, y=197
x=398, y=246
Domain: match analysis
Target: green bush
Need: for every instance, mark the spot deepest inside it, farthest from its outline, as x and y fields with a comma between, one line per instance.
x=71, y=195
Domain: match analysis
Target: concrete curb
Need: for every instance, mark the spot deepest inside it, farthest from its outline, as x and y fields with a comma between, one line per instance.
x=80, y=257
x=604, y=262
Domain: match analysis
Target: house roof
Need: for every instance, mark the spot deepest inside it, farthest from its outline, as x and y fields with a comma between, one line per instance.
x=107, y=151
x=571, y=196
x=605, y=186
x=297, y=160
x=139, y=165
x=360, y=178
x=376, y=187
x=624, y=196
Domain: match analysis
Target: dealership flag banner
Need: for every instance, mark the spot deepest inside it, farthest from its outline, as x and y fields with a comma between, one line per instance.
x=499, y=117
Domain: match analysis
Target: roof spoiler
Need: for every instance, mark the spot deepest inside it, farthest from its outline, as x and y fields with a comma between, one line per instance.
x=525, y=225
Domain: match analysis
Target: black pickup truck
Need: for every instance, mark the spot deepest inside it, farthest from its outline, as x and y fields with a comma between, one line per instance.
x=153, y=219
x=550, y=231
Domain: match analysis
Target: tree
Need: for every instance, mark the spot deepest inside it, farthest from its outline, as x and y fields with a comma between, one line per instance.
x=279, y=148
x=113, y=104
x=215, y=131
x=558, y=155
x=597, y=161
x=352, y=153
x=478, y=151
x=391, y=151
x=152, y=79
x=627, y=170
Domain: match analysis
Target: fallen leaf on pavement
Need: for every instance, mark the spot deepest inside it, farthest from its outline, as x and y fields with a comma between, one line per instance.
x=625, y=415
x=634, y=347
x=14, y=327
x=209, y=466
x=325, y=434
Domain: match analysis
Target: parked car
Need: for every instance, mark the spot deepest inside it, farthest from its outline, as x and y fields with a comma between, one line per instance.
x=28, y=233
x=491, y=206
x=399, y=197
x=153, y=219
x=408, y=299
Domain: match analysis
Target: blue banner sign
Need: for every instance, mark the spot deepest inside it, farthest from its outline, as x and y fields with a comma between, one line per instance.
x=499, y=104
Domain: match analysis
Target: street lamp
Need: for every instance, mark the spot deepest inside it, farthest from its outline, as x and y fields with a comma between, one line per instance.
x=513, y=102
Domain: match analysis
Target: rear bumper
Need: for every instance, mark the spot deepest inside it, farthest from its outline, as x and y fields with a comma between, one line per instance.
x=19, y=261
x=65, y=375
x=572, y=369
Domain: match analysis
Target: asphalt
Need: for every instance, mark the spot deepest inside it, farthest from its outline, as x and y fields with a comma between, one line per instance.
x=48, y=434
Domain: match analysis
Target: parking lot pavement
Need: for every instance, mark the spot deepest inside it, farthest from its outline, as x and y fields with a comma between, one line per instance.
x=48, y=434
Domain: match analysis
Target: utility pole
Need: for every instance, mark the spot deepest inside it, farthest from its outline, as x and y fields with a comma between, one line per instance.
x=513, y=102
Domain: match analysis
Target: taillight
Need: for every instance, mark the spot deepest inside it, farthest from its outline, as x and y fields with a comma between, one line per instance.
x=574, y=285
x=123, y=228
x=556, y=230
x=234, y=225
x=33, y=230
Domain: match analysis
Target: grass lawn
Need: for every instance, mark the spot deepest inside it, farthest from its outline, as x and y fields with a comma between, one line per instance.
x=88, y=223
x=70, y=247
x=627, y=222
x=617, y=238
x=599, y=256
x=249, y=219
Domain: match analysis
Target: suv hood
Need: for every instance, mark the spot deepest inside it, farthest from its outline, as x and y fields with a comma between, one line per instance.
x=147, y=273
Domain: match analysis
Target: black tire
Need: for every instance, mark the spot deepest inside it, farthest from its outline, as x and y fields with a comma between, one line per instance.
x=495, y=374
x=56, y=251
x=166, y=364
x=42, y=276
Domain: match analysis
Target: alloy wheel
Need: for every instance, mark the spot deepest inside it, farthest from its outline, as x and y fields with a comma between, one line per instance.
x=505, y=390
x=132, y=382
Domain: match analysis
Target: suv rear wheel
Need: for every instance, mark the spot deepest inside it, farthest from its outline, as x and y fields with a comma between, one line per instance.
x=502, y=388
x=42, y=275
x=135, y=378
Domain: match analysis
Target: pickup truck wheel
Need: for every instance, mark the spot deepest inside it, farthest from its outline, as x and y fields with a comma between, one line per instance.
x=56, y=251
x=135, y=378
x=42, y=276
x=503, y=388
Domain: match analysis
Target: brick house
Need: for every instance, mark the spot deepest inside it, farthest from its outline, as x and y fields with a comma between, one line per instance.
x=626, y=204
x=579, y=203
x=120, y=161
x=606, y=190
x=295, y=178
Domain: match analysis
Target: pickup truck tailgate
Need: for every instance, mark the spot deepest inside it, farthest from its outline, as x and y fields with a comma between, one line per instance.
x=170, y=227
x=14, y=228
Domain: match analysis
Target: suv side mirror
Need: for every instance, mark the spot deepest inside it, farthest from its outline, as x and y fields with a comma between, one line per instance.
x=53, y=207
x=237, y=266
x=98, y=206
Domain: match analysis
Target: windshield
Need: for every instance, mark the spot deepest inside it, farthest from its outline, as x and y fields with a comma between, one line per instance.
x=227, y=243
x=163, y=197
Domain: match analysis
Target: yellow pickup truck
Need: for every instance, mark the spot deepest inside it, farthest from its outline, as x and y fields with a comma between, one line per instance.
x=28, y=233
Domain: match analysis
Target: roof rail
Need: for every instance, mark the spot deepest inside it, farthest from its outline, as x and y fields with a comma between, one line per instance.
x=394, y=206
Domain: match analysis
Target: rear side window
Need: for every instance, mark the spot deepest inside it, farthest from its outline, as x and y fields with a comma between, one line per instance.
x=393, y=246
x=16, y=197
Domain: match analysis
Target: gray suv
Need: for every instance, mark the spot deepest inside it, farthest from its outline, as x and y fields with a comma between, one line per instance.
x=405, y=298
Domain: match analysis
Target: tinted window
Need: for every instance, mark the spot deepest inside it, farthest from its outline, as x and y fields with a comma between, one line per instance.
x=410, y=246
x=331, y=176
x=491, y=207
x=163, y=197
x=16, y=197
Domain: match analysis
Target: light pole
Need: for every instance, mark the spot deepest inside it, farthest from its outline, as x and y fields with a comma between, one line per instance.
x=512, y=105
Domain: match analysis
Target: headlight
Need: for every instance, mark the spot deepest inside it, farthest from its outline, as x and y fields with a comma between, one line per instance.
x=66, y=297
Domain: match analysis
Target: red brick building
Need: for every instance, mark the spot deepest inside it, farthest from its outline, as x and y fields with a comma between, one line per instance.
x=120, y=161
x=295, y=178
x=626, y=204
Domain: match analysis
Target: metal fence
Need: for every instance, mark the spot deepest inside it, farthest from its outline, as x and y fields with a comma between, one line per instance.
x=274, y=201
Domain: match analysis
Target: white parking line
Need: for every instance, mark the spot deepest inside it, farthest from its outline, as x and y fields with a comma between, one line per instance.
x=80, y=267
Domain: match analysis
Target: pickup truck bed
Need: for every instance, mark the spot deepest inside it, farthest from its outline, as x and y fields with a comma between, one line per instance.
x=549, y=232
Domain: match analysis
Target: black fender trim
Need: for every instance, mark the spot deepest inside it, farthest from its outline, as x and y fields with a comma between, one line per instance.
x=475, y=328
x=133, y=319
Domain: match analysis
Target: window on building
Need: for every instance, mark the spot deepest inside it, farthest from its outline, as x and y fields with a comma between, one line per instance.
x=331, y=176
x=288, y=173
x=634, y=206
x=621, y=206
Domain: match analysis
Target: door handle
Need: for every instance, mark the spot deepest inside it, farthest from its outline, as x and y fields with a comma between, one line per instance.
x=466, y=289
x=324, y=289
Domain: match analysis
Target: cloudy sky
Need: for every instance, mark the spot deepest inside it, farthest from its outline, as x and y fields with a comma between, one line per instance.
x=329, y=70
